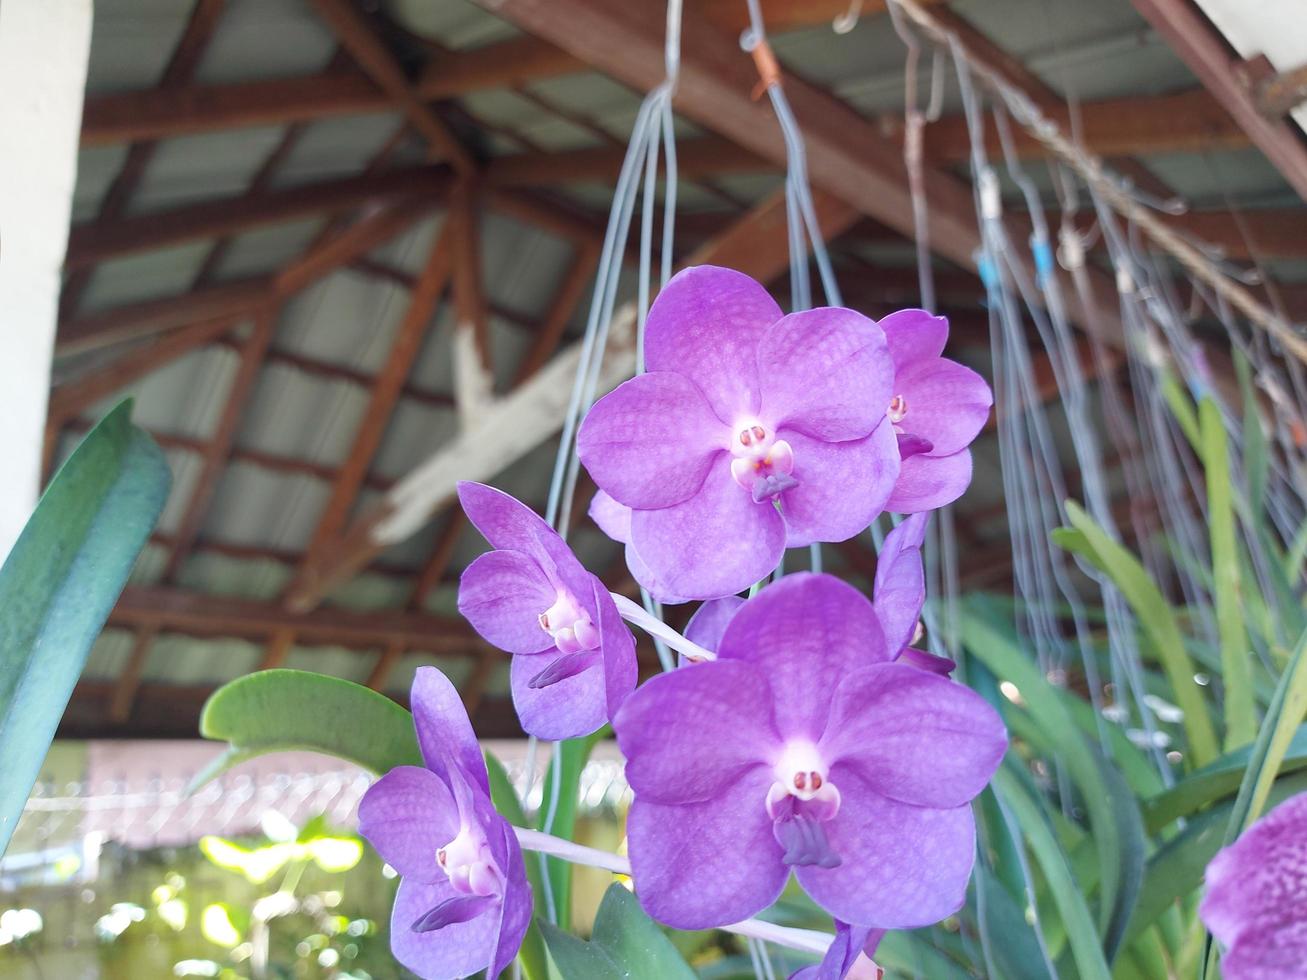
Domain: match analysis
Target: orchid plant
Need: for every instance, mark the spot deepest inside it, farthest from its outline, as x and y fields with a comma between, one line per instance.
x=803, y=774
x=795, y=737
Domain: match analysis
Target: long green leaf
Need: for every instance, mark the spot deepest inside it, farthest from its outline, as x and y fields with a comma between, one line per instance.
x=284, y=710
x=1156, y=617
x=59, y=583
x=1215, y=782
x=1117, y=831
x=1074, y=913
x=1286, y=712
x=1236, y=669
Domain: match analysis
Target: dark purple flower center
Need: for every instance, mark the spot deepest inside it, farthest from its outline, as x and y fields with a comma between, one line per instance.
x=569, y=625
x=762, y=463
x=800, y=802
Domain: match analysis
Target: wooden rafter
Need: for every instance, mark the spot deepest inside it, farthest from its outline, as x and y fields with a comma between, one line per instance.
x=218, y=451
x=187, y=110
x=125, y=687
x=385, y=392
x=180, y=611
x=1189, y=34
x=360, y=40
x=98, y=241
x=181, y=67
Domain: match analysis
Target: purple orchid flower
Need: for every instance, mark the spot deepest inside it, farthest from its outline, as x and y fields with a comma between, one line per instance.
x=849, y=956
x=802, y=747
x=938, y=407
x=464, y=903
x=751, y=432
x=573, y=659
x=899, y=592
x=1256, y=901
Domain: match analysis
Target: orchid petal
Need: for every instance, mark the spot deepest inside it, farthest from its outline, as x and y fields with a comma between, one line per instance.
x=408, y=815
x=826, y=373
x=914, y=336
x=806, y=632
x=710, y=620
x=930, y=482
x=617, y=647
x=651, y=442
x=444, y=732
x=850, y=944
x=900, y=584
x=717, y=542
x=611, y=517
x=570, y=708
x=459, y=949
x=732, y=731
x=843, y=486
x=902, y=867
x=947, y=404
x=703, y=865
x=914, y=736
x=706, y=324
x=502, y=594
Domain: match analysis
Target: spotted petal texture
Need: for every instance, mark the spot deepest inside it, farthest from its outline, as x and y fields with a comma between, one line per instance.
x=751, y=432
x=1256, y=901
x=722, y=755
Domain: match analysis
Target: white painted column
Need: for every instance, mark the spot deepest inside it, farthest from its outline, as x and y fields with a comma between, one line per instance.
x=44, y=46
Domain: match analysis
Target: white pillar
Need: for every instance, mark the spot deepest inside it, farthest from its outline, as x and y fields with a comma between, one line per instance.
x=44, y=45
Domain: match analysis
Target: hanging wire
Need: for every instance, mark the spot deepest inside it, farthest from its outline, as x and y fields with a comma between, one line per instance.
x=802, y=228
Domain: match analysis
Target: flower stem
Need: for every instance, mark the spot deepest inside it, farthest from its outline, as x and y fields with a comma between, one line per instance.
x=805, y=940
x=655, y=627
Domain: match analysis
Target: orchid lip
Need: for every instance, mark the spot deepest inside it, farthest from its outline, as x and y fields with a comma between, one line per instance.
x=470, y=866
x=763, y=464
x=801, y=800
x=569, y=625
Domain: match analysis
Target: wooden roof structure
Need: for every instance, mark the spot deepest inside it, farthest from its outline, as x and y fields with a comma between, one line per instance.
x=328, y=245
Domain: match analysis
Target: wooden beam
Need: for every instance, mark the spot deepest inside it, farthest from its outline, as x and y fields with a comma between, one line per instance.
x=1280, y=94
x=569, y=295
x=97, y=241
x=361, y=41
x=104, y=328
x=534, y=411
x=1209, y=56
x=129, y=681
x=384, y=667
x=367, y=438
x=1184, y=122
x=181, y=66
x=339, y=248
x=186, y=110
x=180, y=611
x=474, y=688
x=278, y=649
x=218, y=452
x=72, y=399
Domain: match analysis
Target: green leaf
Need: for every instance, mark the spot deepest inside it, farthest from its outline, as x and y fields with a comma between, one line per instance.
x=1158, y=621
x=1117, y=827
x=1008, y=940
x=1074, y=913
x=1214, y=782
x=634, y=941
x=1182, y=408
x=559, y=818
x=1236, y=656
x=577, y=959
x=59, y=584
x=1176, y=870
x=1287, y=709
x=284, y=710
